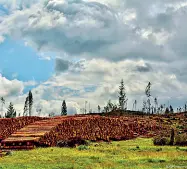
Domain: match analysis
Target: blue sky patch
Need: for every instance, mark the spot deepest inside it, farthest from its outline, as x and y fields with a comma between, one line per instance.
x=21, y=62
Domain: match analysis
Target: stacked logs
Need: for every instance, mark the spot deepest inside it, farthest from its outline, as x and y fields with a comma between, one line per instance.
x=28, y=136
x=10, y=125
x=96, y=128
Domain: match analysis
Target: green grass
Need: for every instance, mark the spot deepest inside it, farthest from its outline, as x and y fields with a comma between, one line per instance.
x=133, y=154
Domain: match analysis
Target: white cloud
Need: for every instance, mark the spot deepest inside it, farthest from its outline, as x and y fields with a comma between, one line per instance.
x=138, y=41
x=105, y=77
x=10, y=87
x=98, y=82
x=148, y=30
x=65, y=26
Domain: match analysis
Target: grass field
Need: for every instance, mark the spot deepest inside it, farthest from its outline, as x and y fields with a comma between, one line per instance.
x=133, y=154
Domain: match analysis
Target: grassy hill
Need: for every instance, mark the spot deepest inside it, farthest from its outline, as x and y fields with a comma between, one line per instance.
x=133, y=154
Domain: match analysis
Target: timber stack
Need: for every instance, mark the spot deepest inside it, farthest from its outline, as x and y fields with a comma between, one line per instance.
x=10, y=125
x=49, y=131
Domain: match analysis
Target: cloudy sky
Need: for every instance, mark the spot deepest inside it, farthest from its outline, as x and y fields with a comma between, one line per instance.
x=79, y=50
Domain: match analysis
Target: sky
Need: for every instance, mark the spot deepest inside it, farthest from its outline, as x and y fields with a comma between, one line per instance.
x=79, y=50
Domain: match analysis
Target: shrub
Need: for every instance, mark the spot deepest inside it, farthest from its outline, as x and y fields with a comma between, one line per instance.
x=137, y=147
x=82, y=147
x=177, y=148
x=96, y=145
x=160, y=140
x=156, y=160
x=181, y=139
x=9, y=153
x=87, y=142
x=181, y=149
x=159, y=149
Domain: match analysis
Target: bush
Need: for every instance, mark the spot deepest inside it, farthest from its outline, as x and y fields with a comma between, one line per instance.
x=82, y=147
x=181, y=139
x=156, y=160
x=181, y=149
x=160, y=140
x=9, y=153
x=177, y=148
x=137, y=148
x=159, y=149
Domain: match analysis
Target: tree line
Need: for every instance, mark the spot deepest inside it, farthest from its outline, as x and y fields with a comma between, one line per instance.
x=27, y=110
x=148, y=107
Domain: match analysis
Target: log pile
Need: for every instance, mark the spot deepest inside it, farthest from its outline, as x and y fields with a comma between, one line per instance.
x=28, y=136
x=49, y=131
x=10, y=125
x=96, y=128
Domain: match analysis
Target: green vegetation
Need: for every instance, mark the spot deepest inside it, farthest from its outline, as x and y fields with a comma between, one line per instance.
x=82, y=147
x=181, y=139
x=64, y=108
x=11, y=113
x=133, y=154
x=176, y=138
x=28, y=105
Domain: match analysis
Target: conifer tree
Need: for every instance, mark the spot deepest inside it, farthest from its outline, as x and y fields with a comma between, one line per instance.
x=171, y=109
x=135, y=104
x=11, y=113
x=14, y=114
x=122, y=97
x=167, y=110
x=156, y=105
x=106, y=109
x=30, y=98
x=64, y=108
x=26, y=107
x=99, y=109
x=2, y=104
x=161, y=108
x=148, y=94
